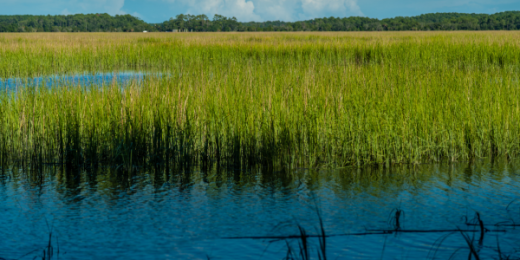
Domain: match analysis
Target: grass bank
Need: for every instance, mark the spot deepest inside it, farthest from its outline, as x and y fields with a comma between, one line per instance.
x=294, y=99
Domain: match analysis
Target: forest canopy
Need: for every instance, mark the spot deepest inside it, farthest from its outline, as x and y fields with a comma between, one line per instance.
x=201, y=23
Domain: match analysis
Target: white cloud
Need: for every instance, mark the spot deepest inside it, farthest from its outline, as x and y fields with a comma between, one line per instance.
x=138, y=15
x=317, y=8
x=241, y=9
x=283, y=10
x=96, y=6
x=65, y=12
x=261, y=10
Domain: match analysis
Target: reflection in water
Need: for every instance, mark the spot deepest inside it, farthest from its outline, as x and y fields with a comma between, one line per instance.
x=159, y=212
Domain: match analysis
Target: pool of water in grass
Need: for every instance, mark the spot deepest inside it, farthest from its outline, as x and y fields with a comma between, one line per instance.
x=191, y=214
x=84, y=79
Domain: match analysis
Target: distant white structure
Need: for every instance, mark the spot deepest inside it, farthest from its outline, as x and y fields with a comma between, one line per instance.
x=145, y=31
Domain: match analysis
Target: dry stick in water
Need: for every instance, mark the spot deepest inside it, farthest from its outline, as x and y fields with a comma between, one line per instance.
x=482, y=229
x=472, y=250
x=369, y=232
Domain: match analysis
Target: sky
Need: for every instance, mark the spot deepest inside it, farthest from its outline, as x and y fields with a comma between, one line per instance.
x=156, y=11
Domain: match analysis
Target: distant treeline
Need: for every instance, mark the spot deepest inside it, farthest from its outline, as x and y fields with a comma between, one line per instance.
x=73, y=23
x=201, y=23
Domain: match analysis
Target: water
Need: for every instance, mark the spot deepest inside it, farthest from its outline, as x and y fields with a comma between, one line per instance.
x=107, y=214
x=86, y=79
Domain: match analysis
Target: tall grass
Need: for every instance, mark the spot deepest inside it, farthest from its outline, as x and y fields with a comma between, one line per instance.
x=298, y=99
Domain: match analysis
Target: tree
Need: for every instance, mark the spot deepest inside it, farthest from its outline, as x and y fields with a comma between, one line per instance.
x=127, y=23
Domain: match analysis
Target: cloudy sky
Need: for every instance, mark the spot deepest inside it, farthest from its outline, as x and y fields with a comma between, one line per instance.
x=256, y=10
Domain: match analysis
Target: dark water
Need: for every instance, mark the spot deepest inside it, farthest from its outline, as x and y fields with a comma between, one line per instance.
x=86, y=79
x=109, y=214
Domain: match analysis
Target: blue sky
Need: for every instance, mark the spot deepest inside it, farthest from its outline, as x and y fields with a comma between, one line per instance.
x=256, y=10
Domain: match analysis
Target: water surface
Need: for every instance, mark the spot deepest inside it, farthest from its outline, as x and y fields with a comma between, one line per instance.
x=154, y=214
x=85, y=79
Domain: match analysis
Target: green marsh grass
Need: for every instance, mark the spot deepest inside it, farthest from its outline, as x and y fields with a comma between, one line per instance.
x=291, y=100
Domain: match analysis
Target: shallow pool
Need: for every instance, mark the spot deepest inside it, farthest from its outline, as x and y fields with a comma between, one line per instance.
x=86, y=79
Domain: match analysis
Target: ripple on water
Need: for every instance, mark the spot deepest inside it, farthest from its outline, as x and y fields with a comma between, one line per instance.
x=171, y=220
